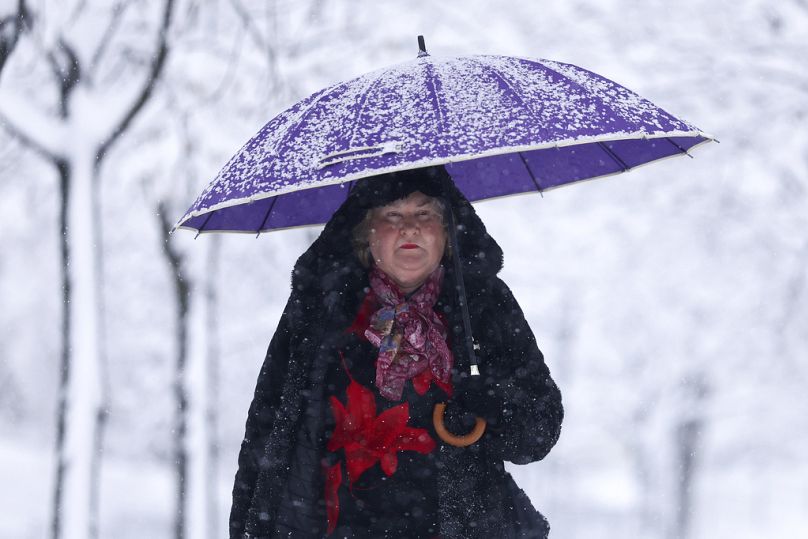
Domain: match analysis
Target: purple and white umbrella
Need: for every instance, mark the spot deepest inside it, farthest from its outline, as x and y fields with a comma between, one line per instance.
x=501, y=125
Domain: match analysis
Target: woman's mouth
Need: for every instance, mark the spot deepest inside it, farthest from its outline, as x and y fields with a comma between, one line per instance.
x=409, y=246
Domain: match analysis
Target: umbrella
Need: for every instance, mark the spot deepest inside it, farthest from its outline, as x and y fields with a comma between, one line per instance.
x=500, y=125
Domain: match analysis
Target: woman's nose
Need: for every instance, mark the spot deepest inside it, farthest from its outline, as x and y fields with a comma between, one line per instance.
x=409, y=225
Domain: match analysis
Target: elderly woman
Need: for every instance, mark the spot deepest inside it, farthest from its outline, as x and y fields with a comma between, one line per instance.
x=340, y=440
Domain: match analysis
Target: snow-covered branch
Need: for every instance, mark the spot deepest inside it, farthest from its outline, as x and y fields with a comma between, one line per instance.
x=248, y=20
x=156, y=68
x=66, y=70
x=109, y=32
x=11, y=28
x=42, y=133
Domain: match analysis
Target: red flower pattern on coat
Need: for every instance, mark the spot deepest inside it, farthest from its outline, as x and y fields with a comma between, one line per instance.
x=367, y=438
x=333, y=479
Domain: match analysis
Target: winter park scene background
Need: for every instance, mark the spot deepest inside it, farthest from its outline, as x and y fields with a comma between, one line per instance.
x=669, y=302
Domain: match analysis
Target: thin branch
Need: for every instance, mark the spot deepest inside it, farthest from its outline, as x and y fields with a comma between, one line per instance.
x=115, y=19
x=159, y=60
x=11, y=29
x=228, y=75
x=77, y=11
x=66, y=71
x=248, y=20
x=39, y=132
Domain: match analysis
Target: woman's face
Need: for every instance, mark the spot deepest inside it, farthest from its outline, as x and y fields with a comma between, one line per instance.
x=407, y=239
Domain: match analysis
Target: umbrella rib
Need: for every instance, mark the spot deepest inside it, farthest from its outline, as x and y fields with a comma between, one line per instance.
x=532, y=176
x=572, y=82
x=362, y=103
x=510, y=86
x=611, y=154
x=615, y=157
x=269, y=211
x=202, y=227
x=679, y=148
x=431, y=77
x=294, y=124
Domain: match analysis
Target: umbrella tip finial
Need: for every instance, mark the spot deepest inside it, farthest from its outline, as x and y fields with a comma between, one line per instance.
x=421, y=47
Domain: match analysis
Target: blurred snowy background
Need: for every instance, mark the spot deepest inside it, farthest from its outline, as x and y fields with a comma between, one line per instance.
x=669, y=302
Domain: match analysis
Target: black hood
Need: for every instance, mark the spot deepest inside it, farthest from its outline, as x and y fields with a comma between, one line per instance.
x=331, y=266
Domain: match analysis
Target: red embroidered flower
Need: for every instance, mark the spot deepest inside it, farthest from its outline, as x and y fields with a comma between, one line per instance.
x=333, y=479
x=421, y=382
x=367, y=438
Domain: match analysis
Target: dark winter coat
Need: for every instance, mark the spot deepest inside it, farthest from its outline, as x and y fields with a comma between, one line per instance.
x=279, y=485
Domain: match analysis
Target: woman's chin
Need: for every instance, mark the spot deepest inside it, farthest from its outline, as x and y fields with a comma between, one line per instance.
x=410, y=280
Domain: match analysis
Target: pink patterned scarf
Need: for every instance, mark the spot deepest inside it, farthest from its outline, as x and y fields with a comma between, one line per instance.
x=408, y=333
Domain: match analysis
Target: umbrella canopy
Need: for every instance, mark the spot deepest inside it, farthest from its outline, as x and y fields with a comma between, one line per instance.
x=501, y=125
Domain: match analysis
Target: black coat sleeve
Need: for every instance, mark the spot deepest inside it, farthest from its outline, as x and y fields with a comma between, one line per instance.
x=511, y=360
x=260, y=419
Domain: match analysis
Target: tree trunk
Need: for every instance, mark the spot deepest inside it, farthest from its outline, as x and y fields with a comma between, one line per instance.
x=647, y=523
x=63, y=169
x=197, y=380
x=181, y=294
x=75, y=511
x=212, y=412
x=192, y=440
x=688, y=437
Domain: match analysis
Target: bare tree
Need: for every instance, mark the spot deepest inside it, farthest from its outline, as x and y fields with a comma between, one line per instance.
x=75, y=137
x=192, y=267
x=182, y=293
x=11, y=29
x=192, y=272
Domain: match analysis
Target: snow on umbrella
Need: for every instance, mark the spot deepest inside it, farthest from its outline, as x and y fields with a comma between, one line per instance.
x=501, y=125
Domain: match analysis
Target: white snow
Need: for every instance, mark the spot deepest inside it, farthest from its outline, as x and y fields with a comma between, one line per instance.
x=640, y=288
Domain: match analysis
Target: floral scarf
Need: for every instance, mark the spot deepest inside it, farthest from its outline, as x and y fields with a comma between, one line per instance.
x=408, y=333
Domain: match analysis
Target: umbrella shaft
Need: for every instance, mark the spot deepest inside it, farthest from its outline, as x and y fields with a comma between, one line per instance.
x=461, y=289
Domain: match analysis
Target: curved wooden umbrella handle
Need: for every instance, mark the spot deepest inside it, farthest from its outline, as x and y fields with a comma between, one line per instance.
x=457, y=441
